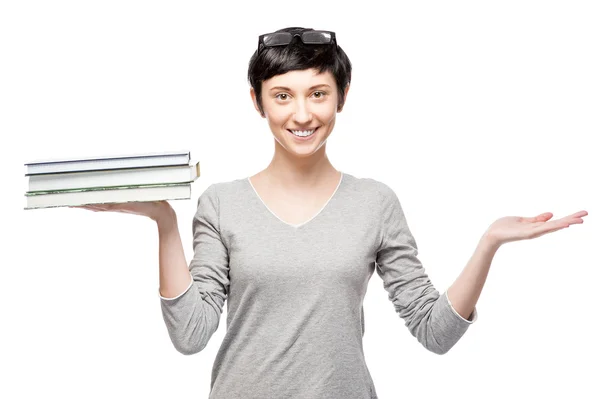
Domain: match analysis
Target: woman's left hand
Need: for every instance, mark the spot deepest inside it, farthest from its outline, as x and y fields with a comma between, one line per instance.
x=515, y=228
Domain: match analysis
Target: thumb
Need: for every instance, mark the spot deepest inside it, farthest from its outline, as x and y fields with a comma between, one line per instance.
x=543, y=217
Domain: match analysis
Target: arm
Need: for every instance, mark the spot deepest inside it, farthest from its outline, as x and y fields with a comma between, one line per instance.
x=464, y=293
x=428, y=315
x=174, y=275
x=192, y=315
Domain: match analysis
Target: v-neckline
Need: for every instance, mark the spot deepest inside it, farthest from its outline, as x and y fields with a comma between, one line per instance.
x=310, y=219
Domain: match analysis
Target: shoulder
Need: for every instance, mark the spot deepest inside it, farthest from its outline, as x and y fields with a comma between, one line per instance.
x=223, y=191
x=230, y=188
x=373, y=186
x=224, y=188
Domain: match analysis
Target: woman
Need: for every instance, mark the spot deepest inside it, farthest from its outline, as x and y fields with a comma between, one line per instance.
x=292, y=248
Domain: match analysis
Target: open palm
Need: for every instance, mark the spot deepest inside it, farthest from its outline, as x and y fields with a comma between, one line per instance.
x=514, y=228
x=151, y=209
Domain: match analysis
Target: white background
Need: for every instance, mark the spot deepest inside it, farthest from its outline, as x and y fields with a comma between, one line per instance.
x=469, y=110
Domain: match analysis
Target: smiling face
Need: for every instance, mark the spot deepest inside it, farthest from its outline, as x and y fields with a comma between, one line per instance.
x=300, y=101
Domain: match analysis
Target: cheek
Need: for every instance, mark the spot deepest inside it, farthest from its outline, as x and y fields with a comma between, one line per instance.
x=277, y=115
x=276, y=122
x=328, y=116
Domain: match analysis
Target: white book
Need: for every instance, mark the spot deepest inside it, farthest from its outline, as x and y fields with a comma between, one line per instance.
x=102, y=196
x=169, y=158
x=114, y=178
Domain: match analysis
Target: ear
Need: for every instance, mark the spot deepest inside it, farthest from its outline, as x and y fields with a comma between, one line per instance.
x=345, y=96
x=254, y=101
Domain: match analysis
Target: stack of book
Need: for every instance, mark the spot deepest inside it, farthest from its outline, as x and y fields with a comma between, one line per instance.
x=109, y=179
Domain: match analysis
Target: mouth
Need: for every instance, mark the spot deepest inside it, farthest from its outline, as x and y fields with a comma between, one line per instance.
x=303, y=133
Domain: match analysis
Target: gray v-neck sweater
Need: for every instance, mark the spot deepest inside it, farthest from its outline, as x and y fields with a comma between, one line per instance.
x=294, y=293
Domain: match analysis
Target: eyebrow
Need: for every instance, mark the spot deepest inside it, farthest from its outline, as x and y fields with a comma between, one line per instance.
x=288, y=89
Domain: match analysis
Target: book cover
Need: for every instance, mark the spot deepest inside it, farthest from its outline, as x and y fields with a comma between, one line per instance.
x=142, y=160
x=114, y=178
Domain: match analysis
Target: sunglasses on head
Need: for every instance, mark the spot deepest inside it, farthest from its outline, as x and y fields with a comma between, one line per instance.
x=285, y=38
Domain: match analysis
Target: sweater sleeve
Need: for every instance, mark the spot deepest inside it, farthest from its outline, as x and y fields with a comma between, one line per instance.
x=429, y=316
x=193, y=316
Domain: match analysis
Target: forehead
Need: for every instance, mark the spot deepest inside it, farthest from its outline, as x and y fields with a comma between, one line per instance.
x=301, y=79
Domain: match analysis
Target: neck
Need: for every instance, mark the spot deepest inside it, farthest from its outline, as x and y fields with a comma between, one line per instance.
x=296, y=173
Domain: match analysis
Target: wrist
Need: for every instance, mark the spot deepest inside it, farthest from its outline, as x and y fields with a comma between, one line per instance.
x=490, y=242
x=166, y=217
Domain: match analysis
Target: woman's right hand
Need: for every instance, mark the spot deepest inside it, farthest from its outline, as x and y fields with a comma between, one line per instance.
x=155, y=210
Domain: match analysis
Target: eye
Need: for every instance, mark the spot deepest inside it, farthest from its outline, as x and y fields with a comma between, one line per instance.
x=317, y=94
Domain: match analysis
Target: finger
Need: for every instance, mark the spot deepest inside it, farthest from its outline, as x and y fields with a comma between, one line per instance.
x=576, y=215
x=550, y=226
x=99, y=207
x=542, y=232
x=103, y=207
x=122, y=207
x=86, y=207
x=579, y=214
x=93, y=208
x=539, y=218
x=572, y=220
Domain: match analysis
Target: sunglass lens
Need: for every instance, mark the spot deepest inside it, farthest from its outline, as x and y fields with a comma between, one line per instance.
x=277, y=39
x=316, y=37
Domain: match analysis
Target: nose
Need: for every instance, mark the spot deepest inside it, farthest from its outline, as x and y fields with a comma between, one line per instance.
x=302, y=116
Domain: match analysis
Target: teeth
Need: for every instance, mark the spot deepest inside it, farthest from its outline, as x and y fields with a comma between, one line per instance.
x=303, y=133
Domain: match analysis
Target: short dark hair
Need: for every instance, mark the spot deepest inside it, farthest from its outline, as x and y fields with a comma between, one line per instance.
x=278, y=60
